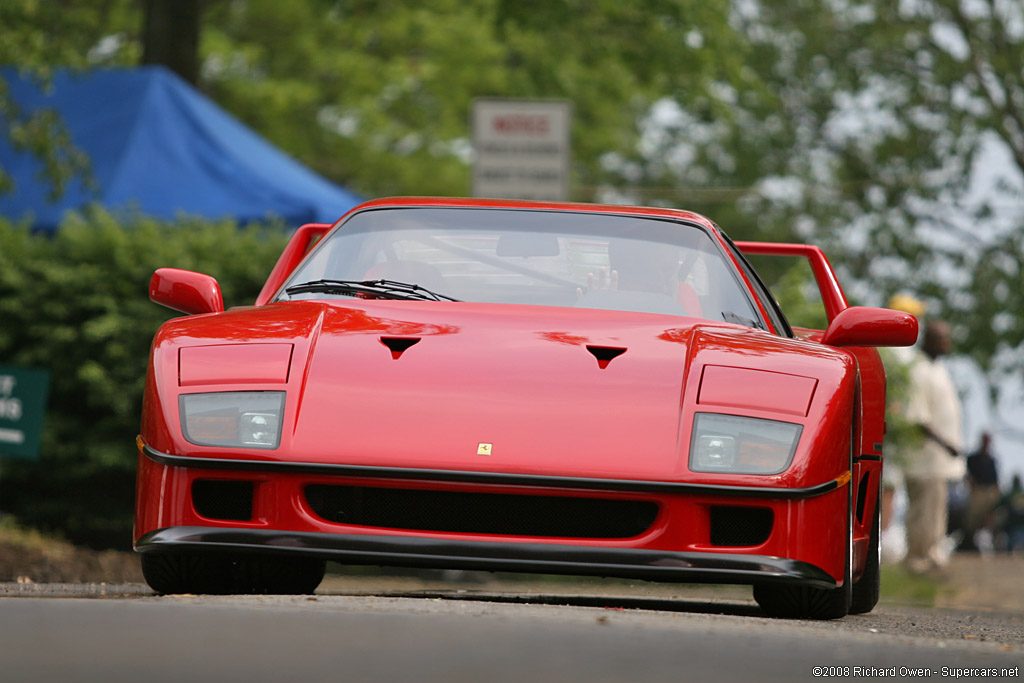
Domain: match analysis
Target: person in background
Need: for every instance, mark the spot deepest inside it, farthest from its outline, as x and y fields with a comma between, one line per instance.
x=1011, y=516
x=934, y=407
x=983, y=480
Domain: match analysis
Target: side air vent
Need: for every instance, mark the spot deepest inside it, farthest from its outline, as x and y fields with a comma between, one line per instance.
x=862, y=496
x=398, y=345
x=605, y=354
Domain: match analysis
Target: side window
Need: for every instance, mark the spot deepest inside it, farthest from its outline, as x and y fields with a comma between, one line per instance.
x=795, y=289
x=768, y=300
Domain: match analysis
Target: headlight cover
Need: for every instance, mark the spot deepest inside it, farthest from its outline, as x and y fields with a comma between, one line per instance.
x=742, y=445
x=236, y=419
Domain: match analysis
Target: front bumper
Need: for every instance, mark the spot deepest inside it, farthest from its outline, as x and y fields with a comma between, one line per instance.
x=543, y=558
x=802, y=541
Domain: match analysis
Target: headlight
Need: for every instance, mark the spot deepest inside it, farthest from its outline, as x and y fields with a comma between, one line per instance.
x=238, y=419
x=741, y=445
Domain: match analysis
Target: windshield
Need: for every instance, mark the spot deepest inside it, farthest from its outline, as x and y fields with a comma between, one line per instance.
x=546, y=258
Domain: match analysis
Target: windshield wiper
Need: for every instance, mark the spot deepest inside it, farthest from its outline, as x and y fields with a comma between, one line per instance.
x=731, y=317
x=384, y=289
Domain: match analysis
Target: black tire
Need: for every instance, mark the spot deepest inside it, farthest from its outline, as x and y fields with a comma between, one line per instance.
x=221, y=574
x=186, y=573
x=276, y=575
x=801, y=602
x=804, y=602
x=867, y=590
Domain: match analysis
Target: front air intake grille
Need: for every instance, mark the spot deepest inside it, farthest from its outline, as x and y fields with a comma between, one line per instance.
x=481, y=513
x=227, y=500
x=740, y=526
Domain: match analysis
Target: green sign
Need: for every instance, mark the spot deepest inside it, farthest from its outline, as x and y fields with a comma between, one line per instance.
x=22, y=405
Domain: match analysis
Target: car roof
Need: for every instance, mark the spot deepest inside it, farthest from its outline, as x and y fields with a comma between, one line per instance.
x=477, y=202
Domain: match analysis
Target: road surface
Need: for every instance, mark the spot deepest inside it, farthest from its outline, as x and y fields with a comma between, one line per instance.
x=411, y=630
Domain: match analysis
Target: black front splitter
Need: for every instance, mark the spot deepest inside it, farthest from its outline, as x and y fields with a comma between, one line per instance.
x=537, y=558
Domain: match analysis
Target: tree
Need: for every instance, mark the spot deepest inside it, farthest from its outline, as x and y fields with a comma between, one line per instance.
x=937, y=89
x=42, y=36
x=853, y=124
x=890, y=133
x=39, y=37
x=170, y=36
x=377, y=95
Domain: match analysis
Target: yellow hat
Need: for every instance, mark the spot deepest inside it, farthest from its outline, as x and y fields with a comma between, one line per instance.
x=907, y=304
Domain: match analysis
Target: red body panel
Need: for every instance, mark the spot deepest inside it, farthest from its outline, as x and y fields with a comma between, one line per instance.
x=464, y=384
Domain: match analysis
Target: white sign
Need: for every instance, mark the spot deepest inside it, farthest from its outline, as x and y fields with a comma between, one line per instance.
x=522, y=149
x=12, y=436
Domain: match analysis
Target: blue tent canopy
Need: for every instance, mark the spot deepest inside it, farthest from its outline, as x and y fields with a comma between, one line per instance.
x=159, y=147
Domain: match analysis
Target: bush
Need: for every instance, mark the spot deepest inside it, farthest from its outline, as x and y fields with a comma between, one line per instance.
x=76, y=304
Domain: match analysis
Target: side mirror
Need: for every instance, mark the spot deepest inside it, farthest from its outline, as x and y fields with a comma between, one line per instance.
x=185, y=291
x=864, y=326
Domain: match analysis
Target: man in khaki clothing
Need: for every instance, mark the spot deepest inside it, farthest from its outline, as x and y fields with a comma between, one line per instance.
x=933, y=405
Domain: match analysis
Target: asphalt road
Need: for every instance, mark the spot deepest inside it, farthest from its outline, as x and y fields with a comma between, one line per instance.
x=381, y=631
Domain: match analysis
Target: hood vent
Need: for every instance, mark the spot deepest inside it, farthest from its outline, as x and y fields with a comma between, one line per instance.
x=604, y=354
x=398, y=345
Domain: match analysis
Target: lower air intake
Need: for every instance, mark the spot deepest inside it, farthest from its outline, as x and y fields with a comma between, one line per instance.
x=740, y=526
x=481, y=513
x=227, y=500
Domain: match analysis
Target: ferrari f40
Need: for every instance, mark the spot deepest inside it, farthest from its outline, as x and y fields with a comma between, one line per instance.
x=516, y=386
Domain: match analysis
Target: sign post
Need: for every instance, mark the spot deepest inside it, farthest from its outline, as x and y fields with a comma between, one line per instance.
x=522, y=149
x=23, y=393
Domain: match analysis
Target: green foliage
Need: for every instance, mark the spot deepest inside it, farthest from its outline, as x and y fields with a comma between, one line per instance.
x=37, y=37
x=392, y=83
x=851, y=125
x=76, y=305
x=878, y=116
x=377, y=95
x=792, y=284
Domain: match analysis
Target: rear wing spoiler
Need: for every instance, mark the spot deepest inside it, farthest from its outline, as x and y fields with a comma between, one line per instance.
x=831, y=293
x=847, y=325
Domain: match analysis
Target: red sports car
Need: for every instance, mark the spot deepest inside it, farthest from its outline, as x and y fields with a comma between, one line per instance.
x=516, y=386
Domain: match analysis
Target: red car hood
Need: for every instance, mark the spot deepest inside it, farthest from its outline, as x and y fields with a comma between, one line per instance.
x=465, y=386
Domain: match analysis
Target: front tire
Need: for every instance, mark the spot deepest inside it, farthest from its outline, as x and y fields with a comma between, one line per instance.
x=803, y=602
x=224, y=574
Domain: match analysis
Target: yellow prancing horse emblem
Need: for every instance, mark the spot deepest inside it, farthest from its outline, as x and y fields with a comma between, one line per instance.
x=484, y=449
